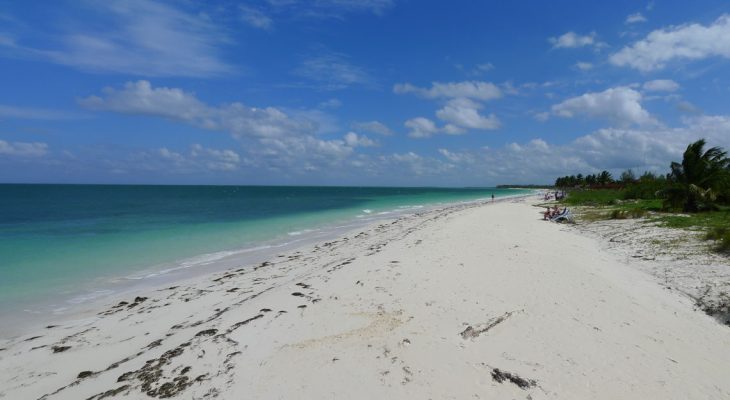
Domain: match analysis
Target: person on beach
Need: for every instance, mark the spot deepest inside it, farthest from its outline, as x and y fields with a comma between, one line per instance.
x=492, y=197
x=546, y=214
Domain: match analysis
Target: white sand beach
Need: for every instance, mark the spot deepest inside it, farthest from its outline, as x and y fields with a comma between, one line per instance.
x=469, y=302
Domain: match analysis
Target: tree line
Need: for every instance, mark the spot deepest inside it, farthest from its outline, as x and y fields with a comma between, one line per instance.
x=701, y=181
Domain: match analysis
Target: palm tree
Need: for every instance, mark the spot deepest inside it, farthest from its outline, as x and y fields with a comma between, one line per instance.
x=695, y=183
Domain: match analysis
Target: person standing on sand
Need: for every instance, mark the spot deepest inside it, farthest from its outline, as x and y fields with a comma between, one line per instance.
x=492, y=197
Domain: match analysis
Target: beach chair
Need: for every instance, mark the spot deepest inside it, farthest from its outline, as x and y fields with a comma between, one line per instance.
x=566, y=215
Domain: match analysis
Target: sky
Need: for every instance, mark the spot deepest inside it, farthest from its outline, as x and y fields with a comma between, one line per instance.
x=357, y=92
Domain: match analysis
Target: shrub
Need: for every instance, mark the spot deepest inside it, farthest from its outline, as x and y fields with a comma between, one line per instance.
x=722, y=236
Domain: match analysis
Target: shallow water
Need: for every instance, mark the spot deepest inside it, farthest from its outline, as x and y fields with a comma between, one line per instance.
x=62, y=245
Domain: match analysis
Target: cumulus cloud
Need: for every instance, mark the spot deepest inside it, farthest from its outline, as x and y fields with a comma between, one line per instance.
x=621, y=105
x=23, y=149
x=140, y=37
x=464, y=113
x=584, y=66
x=172, y=103
x=420, y=127
x=614, y=149
x=476, y=90
x=683, y=42
x=223, y=160
x=635, y=18
x=275, y=140
x=572, y=40
x=373, y=127
x=352, y=139
x=661, y=85
x=196, y=159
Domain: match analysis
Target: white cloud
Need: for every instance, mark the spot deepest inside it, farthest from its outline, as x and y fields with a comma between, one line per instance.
x=256, y=18
x=421, y=127
x=683, y=42
x=275, y=140
x=621, y=105
x=330, y=104
x=142, y=99
x=373, y=127
x=23, y=149
x=222, y=160
x=464, y=113
x=457, y=157
x=477, y=90
x=333, y=71
x=584, y=66
x=687, y=107
x=614, y=149
x=198, y=159
x=352, y=139
x=571, y=40
x=139, y=37
x=635, y=18
x=661, y=85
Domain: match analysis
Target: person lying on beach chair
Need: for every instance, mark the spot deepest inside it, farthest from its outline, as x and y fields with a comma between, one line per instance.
x=566, y=215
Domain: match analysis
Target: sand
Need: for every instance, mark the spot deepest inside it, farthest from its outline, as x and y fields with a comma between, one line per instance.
x=483, y=301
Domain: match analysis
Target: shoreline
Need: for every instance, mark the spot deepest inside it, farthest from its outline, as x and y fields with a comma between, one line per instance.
x=62, y=308
x=457, y=302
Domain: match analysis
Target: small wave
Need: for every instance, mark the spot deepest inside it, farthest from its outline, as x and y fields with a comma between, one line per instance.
x=90, y=296
x=302, y=232
x=367, y=211
x=205, y=259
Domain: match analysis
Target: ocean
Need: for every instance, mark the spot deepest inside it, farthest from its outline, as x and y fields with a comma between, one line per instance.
x=63, y=245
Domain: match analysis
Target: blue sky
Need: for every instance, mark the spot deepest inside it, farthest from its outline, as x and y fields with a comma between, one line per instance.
x=347, y=92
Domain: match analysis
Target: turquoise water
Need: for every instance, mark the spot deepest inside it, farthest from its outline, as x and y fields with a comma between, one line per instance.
x=65, y=239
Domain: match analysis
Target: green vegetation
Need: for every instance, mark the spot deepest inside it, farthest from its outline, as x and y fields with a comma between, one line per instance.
x=694, y=185
x=699, y=186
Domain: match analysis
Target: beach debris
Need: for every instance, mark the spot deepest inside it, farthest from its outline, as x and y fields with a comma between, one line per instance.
x=226, y=276
x=207, y=332
x=472, y=332
x=60, y=349
x=298, y=294
x=32, y=338
x=151, y=373
x=716, y=305
x=265, y=310
x=244, y=322
x=502, y=376
x=303, y=285
x=84, y=374
x=109, y=393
